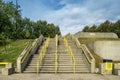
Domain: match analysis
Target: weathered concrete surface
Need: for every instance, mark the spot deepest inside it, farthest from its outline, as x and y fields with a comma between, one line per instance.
x=95, y=35
x=59, y=77
x=108, y=49
x=103, y=70
x=116, y=71
x=116, y=68
x=7, y=71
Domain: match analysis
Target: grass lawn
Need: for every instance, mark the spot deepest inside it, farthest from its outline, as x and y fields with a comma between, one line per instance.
x=88, y=40
x=14, y=49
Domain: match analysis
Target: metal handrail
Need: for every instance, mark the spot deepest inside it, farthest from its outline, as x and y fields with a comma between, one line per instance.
x=79, y=45
x=88, y=58
x=71, y=53
x=27, y=53
x=4, y=63
x=42, y=53
x=56, y=54
x=33, y=45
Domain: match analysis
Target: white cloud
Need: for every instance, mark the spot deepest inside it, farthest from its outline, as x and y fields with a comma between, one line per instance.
x=75, y=14
x=73, y=17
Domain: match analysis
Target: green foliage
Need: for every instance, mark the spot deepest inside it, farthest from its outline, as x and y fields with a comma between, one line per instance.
x=86, y=28
x=15, y=27
x=27, y=34
x=106, y=26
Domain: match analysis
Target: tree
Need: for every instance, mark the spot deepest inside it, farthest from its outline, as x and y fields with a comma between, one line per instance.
x=27, y=34
x=93, y=28
x=104, y=27
x=86, y=29
x=116, y=27
x=15, y=27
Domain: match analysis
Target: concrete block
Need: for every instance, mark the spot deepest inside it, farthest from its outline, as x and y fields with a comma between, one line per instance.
x=9, y=65
x=116, y=71
x=7, y=71
x=116, y=66
x=108, y=71
x=102, y=69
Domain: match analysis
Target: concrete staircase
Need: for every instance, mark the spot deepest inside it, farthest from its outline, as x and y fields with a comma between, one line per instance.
x=81, y=63
x=65, y=65
x=48, y=65
x=32, y=65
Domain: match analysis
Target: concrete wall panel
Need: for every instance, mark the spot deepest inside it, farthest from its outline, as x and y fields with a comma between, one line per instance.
x=95, y=35
x=108, y=49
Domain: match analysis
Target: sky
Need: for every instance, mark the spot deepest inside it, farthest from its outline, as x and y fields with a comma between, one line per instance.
x=71, y=15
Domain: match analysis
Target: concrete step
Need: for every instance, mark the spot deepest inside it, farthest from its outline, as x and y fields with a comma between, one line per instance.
x=33, y=61
x=44, y=64
x=60, y=57
x=53, y=60
x=37, y=58
x=59, y=54
x=62, y=52
x=61, y=63
x=48, y=62
x=43, y=71
x=66, y=69
x=73, y=72
x=47, y=69
x=49, y=52
x=30, y=71
x=82, y=69
x=53, y=71
x=64, y=60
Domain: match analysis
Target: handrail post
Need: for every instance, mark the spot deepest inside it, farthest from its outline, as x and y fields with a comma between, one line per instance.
x=56, y=54
x=92, y=65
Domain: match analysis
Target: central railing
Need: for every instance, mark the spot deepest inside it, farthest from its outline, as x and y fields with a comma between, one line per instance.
x=42, y=53
x=71, y=53
x=56, y=54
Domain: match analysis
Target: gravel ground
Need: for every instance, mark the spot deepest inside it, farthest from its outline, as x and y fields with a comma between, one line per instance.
x=59, y=77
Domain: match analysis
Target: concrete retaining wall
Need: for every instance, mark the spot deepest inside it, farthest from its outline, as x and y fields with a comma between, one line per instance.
x=95, y=35
x=107, y=49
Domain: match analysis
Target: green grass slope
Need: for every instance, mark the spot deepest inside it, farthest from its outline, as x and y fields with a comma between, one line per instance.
x=14, y=49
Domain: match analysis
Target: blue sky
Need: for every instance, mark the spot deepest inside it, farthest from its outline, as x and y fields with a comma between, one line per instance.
x=71, y=15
